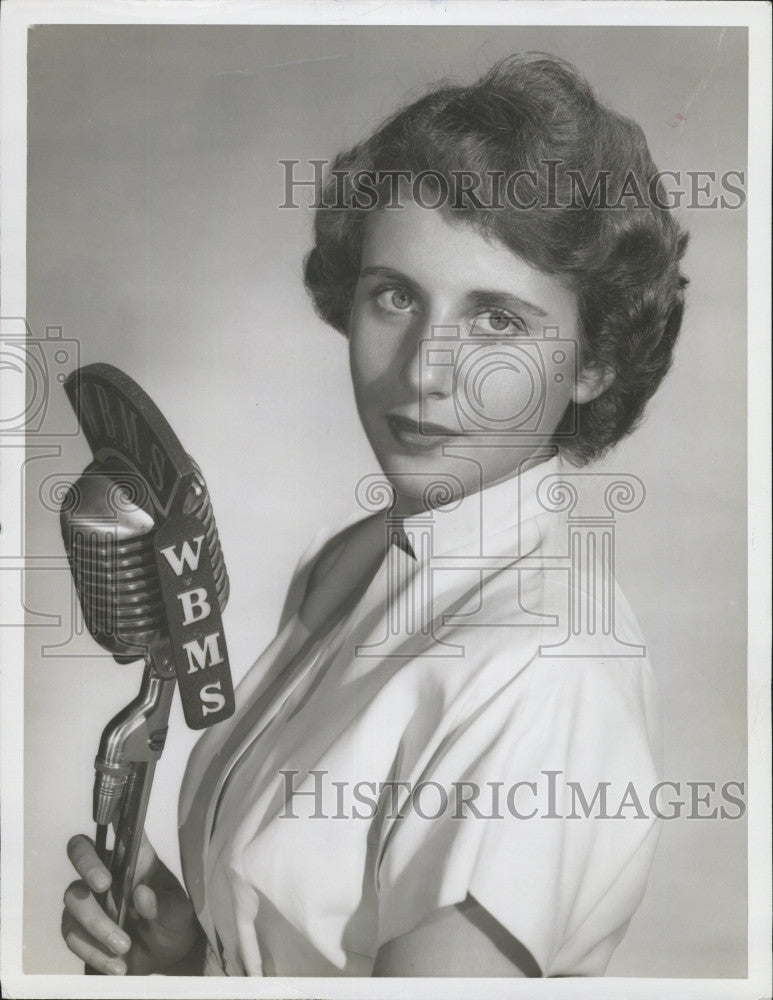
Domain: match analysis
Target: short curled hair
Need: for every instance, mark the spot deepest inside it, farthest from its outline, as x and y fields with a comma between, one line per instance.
x=598, y=219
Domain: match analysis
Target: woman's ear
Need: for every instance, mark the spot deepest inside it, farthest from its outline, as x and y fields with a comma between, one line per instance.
x=592, y=382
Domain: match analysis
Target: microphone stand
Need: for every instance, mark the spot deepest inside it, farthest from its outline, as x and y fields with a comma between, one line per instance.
x=131, y=744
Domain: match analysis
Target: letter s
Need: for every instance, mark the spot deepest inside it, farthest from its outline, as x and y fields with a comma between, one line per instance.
x=733, y=800
x=211, y=700
x=733, y=188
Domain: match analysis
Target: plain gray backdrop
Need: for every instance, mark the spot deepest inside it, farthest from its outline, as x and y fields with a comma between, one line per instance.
x=155, y=241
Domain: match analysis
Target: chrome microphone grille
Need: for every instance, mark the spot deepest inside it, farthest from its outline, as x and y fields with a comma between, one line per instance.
x=108, y=535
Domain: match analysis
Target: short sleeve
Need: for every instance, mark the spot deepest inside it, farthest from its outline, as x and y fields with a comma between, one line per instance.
x=547, y=822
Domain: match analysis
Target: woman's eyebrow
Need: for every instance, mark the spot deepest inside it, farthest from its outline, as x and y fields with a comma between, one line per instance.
x=504, y=300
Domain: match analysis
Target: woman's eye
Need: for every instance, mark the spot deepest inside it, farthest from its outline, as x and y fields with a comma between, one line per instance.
x=496, y=322
x=395, y=300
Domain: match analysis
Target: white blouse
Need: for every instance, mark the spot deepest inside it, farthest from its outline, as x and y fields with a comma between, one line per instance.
x=446, y=738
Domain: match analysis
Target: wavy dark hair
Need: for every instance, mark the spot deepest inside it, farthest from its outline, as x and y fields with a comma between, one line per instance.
x=618, y=246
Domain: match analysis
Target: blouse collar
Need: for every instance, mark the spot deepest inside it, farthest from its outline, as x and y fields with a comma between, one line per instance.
x=508, y=509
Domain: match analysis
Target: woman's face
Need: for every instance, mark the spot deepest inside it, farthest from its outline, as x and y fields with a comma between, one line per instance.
x=462, y=354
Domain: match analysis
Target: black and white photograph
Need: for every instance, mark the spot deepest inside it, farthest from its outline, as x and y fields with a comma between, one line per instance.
x=385, y=502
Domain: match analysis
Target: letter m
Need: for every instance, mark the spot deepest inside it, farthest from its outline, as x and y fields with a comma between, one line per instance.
x=205, y=654
x=577, y=182
x=600, y=794
x=187, y=556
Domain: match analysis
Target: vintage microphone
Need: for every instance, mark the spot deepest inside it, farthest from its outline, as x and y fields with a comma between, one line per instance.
x=148, y=568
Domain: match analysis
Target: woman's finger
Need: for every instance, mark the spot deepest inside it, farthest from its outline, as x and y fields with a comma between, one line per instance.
x=88, y=950
x=86, y=861
x=145, y=902
x=147, y=860
x=88, y=914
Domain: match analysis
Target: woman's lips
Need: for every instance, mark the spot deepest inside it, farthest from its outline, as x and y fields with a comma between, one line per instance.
x=410, y=435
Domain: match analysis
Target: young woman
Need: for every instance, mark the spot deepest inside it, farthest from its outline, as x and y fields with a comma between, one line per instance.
x=437, y=766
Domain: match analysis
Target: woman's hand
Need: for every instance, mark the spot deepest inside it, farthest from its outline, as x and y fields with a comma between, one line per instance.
x=161, y=928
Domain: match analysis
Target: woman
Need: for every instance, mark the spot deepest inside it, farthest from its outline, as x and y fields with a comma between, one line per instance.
x=424, y=765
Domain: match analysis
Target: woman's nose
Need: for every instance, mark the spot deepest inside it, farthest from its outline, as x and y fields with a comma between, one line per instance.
x=430, y=359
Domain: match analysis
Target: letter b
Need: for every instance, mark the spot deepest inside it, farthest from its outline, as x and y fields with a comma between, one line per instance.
x=195, y=605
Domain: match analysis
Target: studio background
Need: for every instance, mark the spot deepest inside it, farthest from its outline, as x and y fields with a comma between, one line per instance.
x=155, y=241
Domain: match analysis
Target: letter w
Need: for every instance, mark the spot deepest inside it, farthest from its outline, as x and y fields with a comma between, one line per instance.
x=187, y=557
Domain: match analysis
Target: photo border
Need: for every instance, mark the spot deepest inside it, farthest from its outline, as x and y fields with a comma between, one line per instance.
x=15, y=18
